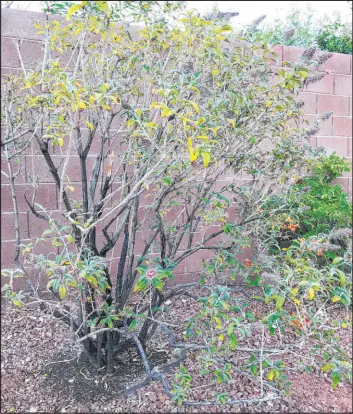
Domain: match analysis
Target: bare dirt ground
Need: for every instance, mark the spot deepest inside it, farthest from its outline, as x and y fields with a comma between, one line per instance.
x=42, y=371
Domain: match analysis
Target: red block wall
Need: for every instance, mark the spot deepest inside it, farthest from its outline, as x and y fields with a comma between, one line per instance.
x=333, y=93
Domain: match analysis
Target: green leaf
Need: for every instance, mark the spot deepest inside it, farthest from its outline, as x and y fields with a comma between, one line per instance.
x=335, y=377
x=132, y=325
x=337, y=260
x=157, y=284
x=233, y=341
x=253, y=369
x=342, y=277
x=47, y=231
x=280, y=301
x=167, y=180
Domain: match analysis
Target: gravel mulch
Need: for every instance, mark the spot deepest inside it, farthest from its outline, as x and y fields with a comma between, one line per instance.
x=34, y=380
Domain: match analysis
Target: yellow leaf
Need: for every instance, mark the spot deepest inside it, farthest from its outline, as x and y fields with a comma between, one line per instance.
x=268, y=103
x=215, y=130
x=61, y=142
x=62, y=292
x=130, y=122
x=103, y=5
x=138, y=112
x=91, y=99
x=78, y=30
x=271, y=375
x=90, y=126
x=155, y=105
x=311, y=293
x=73, y=9
x=105, y=87
x=221, y=337
x=193, y=154
x=336, y=299
x=113, y=98
x=218, y=321
x=206, y=156
x=81, y=105
x=195, y=106
x=215, y=72
x=201, y=121
x=28, y=85
x=70, y=238
x=231, y=122
x=167, y=112
x=72, y=189
x=224, y=29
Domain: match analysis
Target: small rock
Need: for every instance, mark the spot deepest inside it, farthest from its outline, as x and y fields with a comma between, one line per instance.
x=153, y=397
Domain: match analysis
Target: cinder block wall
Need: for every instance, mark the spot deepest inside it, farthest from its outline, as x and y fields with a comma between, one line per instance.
x=332, y=93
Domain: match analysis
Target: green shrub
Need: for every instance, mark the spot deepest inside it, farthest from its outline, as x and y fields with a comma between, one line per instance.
x=313, y=204
x=327, y=205
x=303, y=30
x=335, y=37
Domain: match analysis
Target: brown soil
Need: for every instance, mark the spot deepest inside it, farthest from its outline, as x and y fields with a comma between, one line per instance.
x=34, y=379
